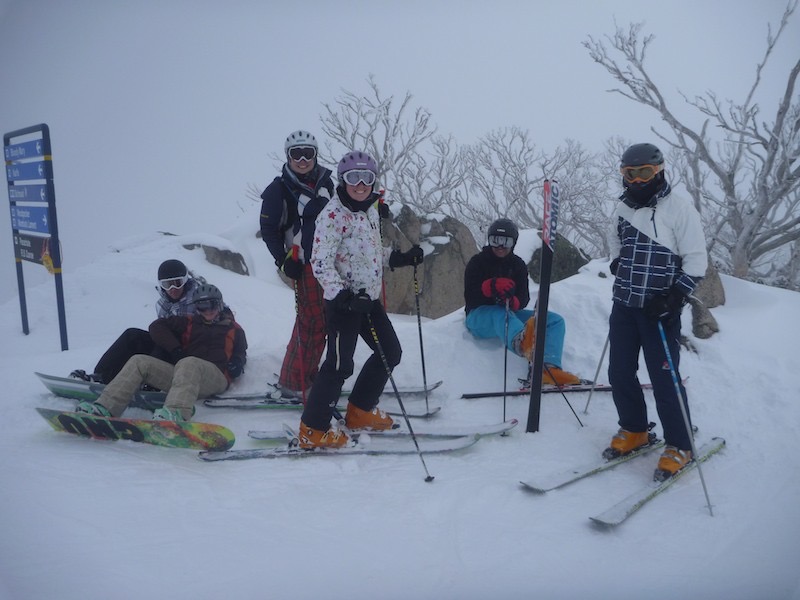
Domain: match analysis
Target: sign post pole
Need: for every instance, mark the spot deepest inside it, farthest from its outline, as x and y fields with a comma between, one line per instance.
x=34, y=225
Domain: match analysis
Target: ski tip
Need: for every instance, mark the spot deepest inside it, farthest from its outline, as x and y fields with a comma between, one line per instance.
x=602, y=524
x=529, y=488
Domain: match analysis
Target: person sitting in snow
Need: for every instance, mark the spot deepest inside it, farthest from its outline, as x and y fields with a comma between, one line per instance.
x=348, y=259
x=176, y=289
x=496, y=276
x=207, y=351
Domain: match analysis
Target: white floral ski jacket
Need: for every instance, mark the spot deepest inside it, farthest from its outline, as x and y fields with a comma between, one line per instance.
x=347, y=252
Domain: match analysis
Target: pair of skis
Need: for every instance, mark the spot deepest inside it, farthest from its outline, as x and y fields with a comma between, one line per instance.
x=584, y=386
x=394, y=441
x=623, y=509
x=78, y=389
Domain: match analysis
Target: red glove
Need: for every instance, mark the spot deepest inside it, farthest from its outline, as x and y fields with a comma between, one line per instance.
x=513, y=304
x=486, y=288
x=504, y=287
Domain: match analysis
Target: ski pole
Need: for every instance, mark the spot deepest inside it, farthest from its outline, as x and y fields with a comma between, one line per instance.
x=561, y=389
x=295, y=256
x=597, y=374
x=505, y=362
x=379, y=348
x=683, y=412
x=421, y=348
x=380, y=205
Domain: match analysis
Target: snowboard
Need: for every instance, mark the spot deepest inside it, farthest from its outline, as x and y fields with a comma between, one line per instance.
x=190, y=434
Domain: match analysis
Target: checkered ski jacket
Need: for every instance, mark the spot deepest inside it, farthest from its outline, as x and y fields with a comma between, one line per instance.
x=658, y=246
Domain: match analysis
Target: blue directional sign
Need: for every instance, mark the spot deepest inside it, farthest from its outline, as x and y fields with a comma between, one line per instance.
x=31, y=170
x=27, y=193
x=24, y=150
x=34, y=224
x=31, y=219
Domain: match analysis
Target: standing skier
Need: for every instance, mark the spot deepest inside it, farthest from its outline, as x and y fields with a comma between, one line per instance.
x=495, y=275
x=290, y=206
x=658, y=253
x=348, y=259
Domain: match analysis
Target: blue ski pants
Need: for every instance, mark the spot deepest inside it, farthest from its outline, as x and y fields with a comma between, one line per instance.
x=489, y=322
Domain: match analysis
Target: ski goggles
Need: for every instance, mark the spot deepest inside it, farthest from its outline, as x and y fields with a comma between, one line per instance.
x=640, y=173
x=206, y=305
x=302, y=153
x=173, y=283
x=365, y=176
x=501, y=241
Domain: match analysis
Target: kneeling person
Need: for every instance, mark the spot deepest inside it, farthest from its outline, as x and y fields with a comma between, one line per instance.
x=209, y=350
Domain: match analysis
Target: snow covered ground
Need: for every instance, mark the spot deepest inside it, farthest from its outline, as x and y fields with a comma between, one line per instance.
x=89, y=519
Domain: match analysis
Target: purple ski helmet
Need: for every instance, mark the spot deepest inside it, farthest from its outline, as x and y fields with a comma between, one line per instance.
x=357, y=160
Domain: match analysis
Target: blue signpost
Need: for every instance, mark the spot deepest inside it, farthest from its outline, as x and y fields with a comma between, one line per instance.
x=34, y=227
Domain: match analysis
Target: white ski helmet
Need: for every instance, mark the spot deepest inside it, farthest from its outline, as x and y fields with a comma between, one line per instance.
x=299, y=138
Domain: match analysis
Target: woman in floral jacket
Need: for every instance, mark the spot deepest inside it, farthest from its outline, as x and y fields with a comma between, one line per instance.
x=347, y=259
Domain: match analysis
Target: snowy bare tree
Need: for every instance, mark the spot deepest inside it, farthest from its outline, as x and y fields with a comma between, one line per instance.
x=417, y=167
x=505, y=174
x=501, y=179
x=501, y=175
x=747, y=186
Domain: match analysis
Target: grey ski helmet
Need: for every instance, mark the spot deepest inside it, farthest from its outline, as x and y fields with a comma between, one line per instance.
x=207, y=291
x=299, y=138
x=504, y=227
x=356, y=160
x=641, y=154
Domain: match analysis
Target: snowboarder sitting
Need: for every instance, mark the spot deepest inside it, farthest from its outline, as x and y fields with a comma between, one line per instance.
x=495, y=276
x=208, y=349
x=176, y=289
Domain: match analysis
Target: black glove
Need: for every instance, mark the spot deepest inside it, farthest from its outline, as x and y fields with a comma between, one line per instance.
x=176, y=354
x=410, y=258
x=341, y=303
x=383, y=211
x=361, y=303
x=613, y=266
x=235, y=367
x=665, y=307
x=292, y=268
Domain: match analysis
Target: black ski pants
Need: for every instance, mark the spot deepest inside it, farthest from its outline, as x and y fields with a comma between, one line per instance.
x=132, y=341
x=344, y=329
x=629, y=332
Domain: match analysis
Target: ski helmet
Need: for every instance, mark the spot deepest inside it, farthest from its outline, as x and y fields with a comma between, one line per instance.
x=172, y=269
x=641, y=185
x=206, y=291
x=504, y=228
x=356, y=160
x=641, y=154
x=299, y=138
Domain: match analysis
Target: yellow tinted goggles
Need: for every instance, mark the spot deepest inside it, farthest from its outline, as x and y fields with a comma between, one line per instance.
x=640, y=173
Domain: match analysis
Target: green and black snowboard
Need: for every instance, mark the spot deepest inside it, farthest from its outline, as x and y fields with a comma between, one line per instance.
x=191, y=435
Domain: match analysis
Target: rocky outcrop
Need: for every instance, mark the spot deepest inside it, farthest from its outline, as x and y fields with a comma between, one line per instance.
x=448, y=245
